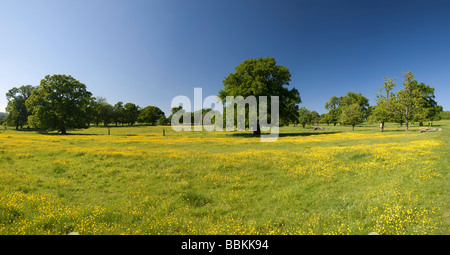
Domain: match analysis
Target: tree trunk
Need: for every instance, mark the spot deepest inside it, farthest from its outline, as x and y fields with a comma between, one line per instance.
x=17, y=127
x=353, y=127
x=258, y=131
x=406, y=118
x=63, y=130
x=421, y=124
x=382, y=126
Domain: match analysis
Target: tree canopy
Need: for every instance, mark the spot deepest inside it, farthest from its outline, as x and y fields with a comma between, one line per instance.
x=304, y=116
x=150, y=114
x=263, y=77
x=18, y=112
x=383, y=111
x=58, y=103
x=352, y=115
x=61, y=102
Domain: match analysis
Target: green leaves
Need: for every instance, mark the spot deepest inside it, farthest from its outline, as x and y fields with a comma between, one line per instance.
x=263, y=77
x=150, y=114
x=304, y=116
x=18, y=112
x=352, y=115
x=337, y=105
x=60, y=102
x=131, y=113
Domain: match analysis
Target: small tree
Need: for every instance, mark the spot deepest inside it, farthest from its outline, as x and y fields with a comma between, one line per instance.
x=409, y=99
x=324, y=118
x=131, y=113
x=355, y=98
x=105, y=113
x=315, y=118
x=304, y=116
x=119, y=112
x=175, y=110
x=352, y=115
x=163, y=120
x=334, y=111
x=150, y=114
x=430, y=110
x=16, y=108
x=383, y=111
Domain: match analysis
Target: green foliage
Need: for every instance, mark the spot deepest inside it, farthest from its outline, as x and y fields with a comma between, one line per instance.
x=332, y=116
x=150, y=114
x=163, y=120
x=384, y=110
x=336, y=105
x=430, y=110
x=410, y=99
x=315, y=117
x=333, y=103
x=304, y=116
x=415, y=102
x=174, y=110
x=60, y=102
x=352, y=115
x=18, y=112
x=103, y=112
x=131, y=113
x=445, y=115
x=119, y=113
x=355, y=98
x=263, y=77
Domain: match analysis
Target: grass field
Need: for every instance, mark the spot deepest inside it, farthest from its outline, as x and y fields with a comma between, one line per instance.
x=136, y=181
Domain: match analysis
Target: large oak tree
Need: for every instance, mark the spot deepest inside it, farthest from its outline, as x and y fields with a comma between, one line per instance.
x=263, y=77
x=58, y=103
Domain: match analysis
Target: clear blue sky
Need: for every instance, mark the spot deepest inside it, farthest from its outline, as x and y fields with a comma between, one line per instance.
x=148, y=52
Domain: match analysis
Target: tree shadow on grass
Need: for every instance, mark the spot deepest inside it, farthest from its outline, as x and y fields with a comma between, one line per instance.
x=52, y=133
x=288, y=134
x=68, y=134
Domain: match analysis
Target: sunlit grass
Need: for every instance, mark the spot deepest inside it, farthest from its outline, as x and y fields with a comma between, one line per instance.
x=137, y=181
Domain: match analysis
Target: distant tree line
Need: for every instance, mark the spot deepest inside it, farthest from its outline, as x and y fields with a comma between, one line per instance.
x=415, y=102
x=61, y=102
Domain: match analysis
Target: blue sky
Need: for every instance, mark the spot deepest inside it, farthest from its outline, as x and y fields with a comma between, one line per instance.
x=148, y=52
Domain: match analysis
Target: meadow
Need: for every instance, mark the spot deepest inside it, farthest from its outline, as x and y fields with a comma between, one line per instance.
x=137, y=181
